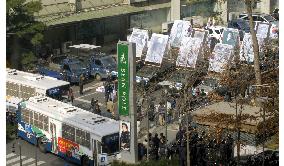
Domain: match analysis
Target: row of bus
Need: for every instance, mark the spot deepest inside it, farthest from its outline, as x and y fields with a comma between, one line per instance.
x=75, y=134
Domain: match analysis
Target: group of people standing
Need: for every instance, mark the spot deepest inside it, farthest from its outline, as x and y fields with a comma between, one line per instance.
x=204, y=150
x=157, y=147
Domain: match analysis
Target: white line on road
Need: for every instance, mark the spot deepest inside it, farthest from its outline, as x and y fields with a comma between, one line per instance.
x=86, y=95
x=10, y=155
x=38, y=163
x=25, y=162
x=86, y=101
x=92, y=87
x=14, y=160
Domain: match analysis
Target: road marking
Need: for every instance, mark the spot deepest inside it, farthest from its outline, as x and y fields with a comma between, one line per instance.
x=38, y=163
x=86, y=95
x=14, y=160
x=10, y=155
x=92, y=87
x=87, y=101
x=25, y=162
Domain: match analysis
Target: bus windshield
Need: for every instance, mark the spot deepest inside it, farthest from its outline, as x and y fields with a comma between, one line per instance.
x=57, y=92
x=110, y=143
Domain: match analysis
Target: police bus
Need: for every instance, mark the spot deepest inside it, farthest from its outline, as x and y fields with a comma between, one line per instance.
x=23, y=85
x=77, y=135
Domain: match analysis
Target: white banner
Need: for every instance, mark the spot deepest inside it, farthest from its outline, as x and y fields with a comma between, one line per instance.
x=246, y=53
x=179, y=30
x=140, y=37
x=189, y=52
x=262, y=30
x=221, y=56
x=157, y=48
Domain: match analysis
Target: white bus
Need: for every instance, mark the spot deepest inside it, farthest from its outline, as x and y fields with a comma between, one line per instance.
x=77, y=135
x=23, y=85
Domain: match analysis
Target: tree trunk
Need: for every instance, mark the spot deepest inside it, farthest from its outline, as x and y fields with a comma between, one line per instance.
x=254, y=43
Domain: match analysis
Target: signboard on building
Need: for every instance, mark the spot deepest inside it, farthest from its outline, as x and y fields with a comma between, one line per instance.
x=123, y=79
x=222, y=54
x=180, y=30
x=157, y=48
x=140, y=37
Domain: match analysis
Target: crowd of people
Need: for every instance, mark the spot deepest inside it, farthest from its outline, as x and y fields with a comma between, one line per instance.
x=204, y=149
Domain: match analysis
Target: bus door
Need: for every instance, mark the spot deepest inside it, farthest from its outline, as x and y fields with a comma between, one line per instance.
x=96, y=148
x=53, y=137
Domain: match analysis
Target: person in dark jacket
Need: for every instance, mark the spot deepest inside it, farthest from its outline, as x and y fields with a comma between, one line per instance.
x=156, y=144
x=125, y=137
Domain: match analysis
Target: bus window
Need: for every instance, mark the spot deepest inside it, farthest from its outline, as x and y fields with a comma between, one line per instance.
x=110, y=143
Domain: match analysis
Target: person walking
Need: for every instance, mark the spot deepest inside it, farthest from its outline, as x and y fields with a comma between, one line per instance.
x=156, y=144
x=70, y=95
x=110, y=106
x=97, y=108
x=92, y=108
x=81, y=82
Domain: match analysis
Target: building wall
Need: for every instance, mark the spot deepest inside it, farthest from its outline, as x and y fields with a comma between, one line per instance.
x=150, y=19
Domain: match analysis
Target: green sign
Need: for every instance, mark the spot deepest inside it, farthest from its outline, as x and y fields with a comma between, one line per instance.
x=123, y=79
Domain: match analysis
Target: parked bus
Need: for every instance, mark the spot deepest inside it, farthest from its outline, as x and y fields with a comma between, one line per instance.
x=23, y=85
x=77, y=135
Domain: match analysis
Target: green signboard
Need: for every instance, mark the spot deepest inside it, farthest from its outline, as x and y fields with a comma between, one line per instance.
x=123, y=79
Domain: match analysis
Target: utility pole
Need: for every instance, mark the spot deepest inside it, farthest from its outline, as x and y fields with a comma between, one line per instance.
x=148, y=141
x=187, y=140
x=35, y=149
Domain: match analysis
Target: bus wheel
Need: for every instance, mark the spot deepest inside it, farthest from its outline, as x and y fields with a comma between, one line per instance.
x=98, y=77
x=41, y=146
x=85, y=161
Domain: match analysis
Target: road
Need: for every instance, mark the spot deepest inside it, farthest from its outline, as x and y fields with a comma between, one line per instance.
x=82, y=101
x=28, y=155
x=48, y=159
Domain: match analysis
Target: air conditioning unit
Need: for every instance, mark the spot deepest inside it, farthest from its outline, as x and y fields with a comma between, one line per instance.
x=65, y=46
x=38, y=99
x=67, y=109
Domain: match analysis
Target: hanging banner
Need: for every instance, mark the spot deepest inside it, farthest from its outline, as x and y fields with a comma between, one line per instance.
x=180, y=30
x=262, y=30
x=189, y=52
x=222, y=54
x=123, y=79
x=231, y=37
x=124, y=133
x=246, y=51
x=140, y=37
x=157, y=48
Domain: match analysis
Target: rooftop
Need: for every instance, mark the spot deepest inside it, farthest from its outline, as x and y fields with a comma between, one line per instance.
x=73, y=116
x=33, y=80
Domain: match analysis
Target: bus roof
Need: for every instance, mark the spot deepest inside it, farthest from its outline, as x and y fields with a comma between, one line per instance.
x=33, y=80
x=74, y=116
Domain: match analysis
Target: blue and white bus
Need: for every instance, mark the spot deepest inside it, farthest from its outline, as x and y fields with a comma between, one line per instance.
x=23, y=85
x=77, y=135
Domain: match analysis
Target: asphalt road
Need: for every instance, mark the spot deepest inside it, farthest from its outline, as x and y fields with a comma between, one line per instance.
x=82, y=101
x=48, y=159
x=28, y=153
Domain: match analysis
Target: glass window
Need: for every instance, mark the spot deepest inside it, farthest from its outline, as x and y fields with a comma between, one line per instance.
x=31, y=117
x=110, y=143
x=98, y=62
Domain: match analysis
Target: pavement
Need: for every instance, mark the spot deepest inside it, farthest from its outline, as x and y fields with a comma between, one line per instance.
x=28, y=153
